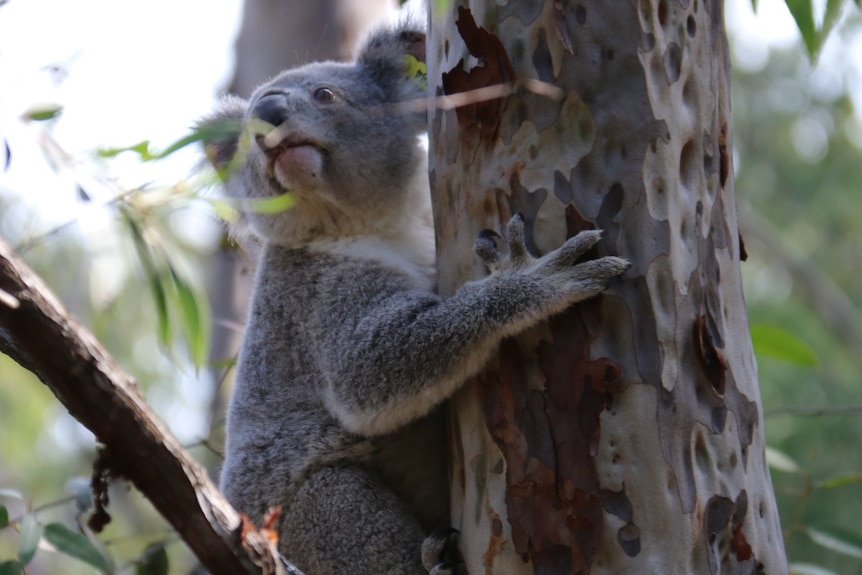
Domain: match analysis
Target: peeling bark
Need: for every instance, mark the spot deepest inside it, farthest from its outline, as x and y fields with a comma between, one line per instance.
x=625, y=435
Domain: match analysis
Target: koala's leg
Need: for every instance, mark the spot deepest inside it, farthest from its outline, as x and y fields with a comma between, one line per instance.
x=344, y=521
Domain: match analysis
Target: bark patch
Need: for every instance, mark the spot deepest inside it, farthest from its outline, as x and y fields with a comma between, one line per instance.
x=729, y=551
x=549, y=436
x=629, y=535
x=494, y=68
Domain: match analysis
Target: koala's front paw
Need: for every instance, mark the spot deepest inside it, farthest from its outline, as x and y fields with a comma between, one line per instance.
x=440, y=553
x=564, y=282
x=513, y=257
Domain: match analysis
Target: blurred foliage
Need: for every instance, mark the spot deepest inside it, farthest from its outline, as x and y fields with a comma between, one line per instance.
x=129, y=263
x=815, y=21
x=798, y=155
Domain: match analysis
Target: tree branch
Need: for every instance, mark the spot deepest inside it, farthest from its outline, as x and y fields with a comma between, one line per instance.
x=38, y=333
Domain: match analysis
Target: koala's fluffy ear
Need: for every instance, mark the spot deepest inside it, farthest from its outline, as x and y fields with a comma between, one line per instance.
x=395, y=59
x=220, y=132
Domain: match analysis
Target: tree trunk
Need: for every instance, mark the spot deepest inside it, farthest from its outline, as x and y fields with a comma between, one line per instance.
x=626, y=435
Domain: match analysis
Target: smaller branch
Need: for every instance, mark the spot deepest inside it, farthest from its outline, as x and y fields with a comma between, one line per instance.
x=814, y=411
x=38, y=333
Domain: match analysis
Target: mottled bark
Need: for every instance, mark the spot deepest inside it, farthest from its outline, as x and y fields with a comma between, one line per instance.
x=626, y=435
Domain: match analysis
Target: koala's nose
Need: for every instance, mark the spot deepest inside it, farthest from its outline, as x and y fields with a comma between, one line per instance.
x=271, y=108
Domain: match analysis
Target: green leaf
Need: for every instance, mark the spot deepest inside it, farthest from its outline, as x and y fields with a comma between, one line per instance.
x=803, y=13
x=808, y=569
x=193, y=315
x=11, y=494
x=210, y=131
x=840, y=481
x=42, y=112
x=141, y=148
x=153, y=275
x=838, y=541
x=29, y=534
x=75, y=545
x=781, y=461
x=154, y=561
x=269, y=205
x=770, y=341
x=10, y=568
x=4, y=517
x=830, y=17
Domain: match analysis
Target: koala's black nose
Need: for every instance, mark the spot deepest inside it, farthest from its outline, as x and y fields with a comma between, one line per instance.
x=271, y=108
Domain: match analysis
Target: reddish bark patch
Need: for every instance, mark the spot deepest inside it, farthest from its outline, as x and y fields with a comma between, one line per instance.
x=545, y=418
x=724, y=157
x=494, y=68
x=711, y=357
x=728, y=548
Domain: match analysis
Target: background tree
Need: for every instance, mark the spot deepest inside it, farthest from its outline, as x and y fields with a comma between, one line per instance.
x=625, y=436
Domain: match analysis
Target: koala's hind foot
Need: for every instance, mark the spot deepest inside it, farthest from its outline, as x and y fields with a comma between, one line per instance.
x=343, y=520
x=441, y=555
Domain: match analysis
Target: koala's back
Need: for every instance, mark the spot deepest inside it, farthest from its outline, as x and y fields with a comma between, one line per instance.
x=281, y=434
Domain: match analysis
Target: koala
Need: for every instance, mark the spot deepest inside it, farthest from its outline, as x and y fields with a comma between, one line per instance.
x=348, y=353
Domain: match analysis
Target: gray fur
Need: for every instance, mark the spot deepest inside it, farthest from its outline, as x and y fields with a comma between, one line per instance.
x=348, y=354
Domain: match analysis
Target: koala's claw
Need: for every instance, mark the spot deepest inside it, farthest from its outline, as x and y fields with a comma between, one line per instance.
x=515, y=237
x=577, y=246
x=440, y=554
x=486, y=247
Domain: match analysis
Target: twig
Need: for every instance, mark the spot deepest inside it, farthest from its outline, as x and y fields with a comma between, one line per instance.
x=814, y=411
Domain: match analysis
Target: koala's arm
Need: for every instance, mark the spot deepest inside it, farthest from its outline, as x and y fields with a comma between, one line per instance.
x=399, y=353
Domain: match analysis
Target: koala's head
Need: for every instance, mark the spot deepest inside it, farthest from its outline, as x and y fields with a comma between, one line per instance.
x=342, y=138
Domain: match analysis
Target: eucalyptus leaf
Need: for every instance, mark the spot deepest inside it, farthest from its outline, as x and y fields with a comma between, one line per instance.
x=781, y=461
x=840, y=481
x=42, y=112
x=210, y=131
x=774, y=342
x=154, y=276
x=75, y=545
x=10, y=568
x=4, y=517
x=838, y=541
x=809, y=569
x=803, y=13
x=11, y=494
x=29, y=535
x=154, y=561
x=193, y=316
x=269, y=205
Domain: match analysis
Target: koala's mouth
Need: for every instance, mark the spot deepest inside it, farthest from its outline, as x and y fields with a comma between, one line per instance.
x=294, y=161
x=273, y=147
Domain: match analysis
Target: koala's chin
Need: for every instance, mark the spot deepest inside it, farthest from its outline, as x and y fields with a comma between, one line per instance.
x=298, y=167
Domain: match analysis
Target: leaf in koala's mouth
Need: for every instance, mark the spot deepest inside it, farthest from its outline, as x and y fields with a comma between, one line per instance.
x=271, y=205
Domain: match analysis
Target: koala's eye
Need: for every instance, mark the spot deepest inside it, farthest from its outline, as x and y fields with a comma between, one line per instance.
x=324, y=95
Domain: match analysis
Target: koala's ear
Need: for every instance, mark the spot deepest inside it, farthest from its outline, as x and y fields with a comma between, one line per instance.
x=395, y=59
x=220, y=132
